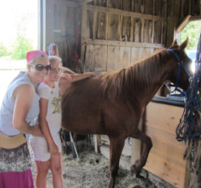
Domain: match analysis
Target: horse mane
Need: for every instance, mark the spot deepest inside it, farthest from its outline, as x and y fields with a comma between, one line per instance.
x=137, y=77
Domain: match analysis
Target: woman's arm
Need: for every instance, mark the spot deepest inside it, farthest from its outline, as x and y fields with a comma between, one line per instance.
x=45, y=128
x=67, y=70
x=74, y=78
x=23, y=96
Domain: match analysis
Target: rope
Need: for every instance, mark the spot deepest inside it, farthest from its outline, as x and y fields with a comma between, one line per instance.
x=187, y=128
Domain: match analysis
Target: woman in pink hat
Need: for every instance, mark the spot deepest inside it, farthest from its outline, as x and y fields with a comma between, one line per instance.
x=19, y=108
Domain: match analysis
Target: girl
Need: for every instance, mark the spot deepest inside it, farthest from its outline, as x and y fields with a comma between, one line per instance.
x=47, y=150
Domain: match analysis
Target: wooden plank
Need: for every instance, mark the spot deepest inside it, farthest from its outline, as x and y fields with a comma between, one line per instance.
x=126, y=27
x=97, y=143
x=135, y=55
x=66, y=3
x=124, y=57
x=146, y=31
x=84, y=1
x=100, y=58
x=89, y=25
x=183, y=23
x=157, y=32
x=113, y=27
x=49, y=22
x=113, y=58
x=101, y=25
x=89, y=59
x=166, y=170
x=137, y=32
x=124, y=44
x=131, y=29
x=168, y=116
x=94, y=24
x=83, y=31
x=125, y=13
x=166, y=146
x=63, y=21
x=195, y=18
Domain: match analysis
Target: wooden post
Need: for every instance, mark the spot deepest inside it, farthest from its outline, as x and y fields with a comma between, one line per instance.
x=49, y=22
x=83, y=31
x=187, y=174
x=97, y=142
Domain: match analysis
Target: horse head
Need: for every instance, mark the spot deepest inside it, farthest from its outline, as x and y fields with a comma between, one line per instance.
x=181, y=75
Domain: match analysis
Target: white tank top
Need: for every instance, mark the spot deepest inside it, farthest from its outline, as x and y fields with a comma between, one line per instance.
x=7, y=106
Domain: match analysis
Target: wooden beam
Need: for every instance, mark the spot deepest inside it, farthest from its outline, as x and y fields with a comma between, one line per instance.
x=83, y=30
x=97, y=142
x=84, y=1
x=49, y=22
x=183, y=23
x=125, y=13
x=123, y=44
x=66, y=3
x=195, y=18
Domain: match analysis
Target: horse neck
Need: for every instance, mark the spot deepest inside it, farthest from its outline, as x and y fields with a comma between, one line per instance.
x=152, y=73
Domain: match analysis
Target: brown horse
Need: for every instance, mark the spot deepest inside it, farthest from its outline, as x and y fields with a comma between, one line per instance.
x=112, y=104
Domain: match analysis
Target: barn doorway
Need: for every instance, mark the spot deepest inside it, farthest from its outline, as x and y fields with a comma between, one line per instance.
x=191, y=30
x=19, y=34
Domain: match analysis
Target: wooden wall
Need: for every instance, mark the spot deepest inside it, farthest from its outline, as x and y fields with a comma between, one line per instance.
x=166, y=156
x=62, y=17
x=124, y=31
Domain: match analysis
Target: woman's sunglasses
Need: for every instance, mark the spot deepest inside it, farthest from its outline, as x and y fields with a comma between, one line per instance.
x=40, y=67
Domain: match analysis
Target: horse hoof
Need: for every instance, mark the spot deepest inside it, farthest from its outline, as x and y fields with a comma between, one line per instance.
x=135, y=171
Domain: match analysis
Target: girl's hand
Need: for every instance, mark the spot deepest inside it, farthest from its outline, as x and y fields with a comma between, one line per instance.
x=67, y=76
x=53, y=149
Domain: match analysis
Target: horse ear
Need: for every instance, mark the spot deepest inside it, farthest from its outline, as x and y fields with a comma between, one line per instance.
x=174, y=42
x=184, y=44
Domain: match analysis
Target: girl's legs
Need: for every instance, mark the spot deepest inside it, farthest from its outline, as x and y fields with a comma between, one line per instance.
x=56, y=168
x=41, y=173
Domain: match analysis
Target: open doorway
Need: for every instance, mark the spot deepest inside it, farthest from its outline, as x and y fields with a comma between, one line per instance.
x=191, y=30
x=19, y=34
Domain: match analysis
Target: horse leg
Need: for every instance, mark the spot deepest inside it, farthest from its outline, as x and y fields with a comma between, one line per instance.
x=116, y=147
x=147, y=145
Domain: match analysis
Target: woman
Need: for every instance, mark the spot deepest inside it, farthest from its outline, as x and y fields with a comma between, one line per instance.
x=19, y=108
x=47, y=150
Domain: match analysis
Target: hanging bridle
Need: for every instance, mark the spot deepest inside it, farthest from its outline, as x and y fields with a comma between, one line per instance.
x=180, y=64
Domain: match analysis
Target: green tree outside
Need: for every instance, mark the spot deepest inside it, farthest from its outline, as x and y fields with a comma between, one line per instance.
x=192, y=30
x=22, y=43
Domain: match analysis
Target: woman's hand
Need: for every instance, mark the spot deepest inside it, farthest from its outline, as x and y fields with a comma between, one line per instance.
x=67, y=76
x=53, y=149
x=36, y=131
x=91, y=74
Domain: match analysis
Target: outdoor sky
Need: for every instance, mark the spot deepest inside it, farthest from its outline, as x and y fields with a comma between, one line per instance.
x=10, y=14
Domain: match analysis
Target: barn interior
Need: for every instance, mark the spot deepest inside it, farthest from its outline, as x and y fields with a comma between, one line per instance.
x=108, y=35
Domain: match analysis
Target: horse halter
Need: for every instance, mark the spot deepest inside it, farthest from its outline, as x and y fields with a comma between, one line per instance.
x=180, y=64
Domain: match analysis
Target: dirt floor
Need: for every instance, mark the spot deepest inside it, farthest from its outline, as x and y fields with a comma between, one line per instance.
x=92, y=171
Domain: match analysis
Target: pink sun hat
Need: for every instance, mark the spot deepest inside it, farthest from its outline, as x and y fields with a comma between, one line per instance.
x=35, y=53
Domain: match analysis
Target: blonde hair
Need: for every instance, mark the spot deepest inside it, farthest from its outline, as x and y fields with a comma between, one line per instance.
x=53, y=59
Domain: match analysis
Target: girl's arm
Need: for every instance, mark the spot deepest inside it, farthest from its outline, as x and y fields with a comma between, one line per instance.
x=45, y=128
x=23, y=96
